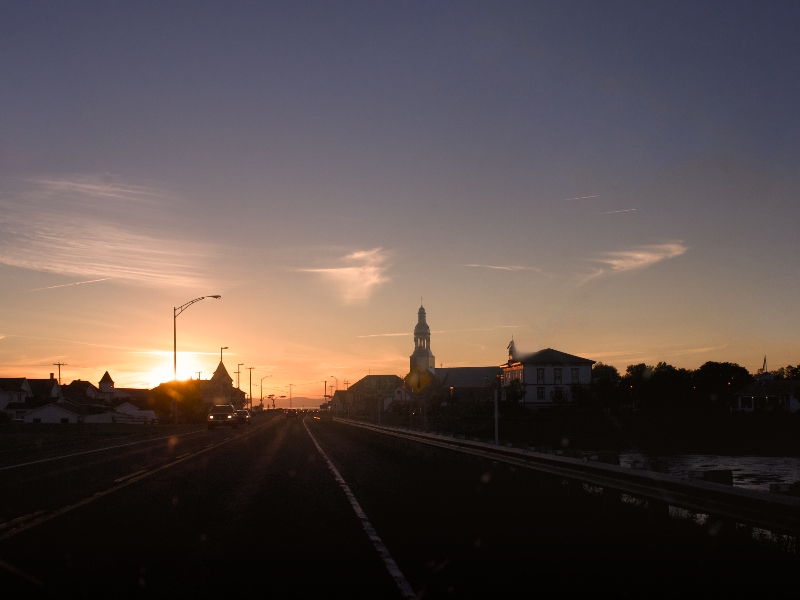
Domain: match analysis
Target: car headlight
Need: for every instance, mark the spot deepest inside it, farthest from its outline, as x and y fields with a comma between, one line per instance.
x=230, y=416
x=210, y=417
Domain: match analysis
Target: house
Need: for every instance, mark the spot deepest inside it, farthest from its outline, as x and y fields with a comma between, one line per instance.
x=13, y=392
x=46, y=389
x=768, y=394
x=81, y=392
x=138, y=415
x=366, y=394
x=219, y=389
x=51, y=413
x=546, y=376
x=468, y=384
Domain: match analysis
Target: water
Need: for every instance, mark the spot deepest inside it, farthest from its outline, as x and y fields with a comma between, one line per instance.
x=751, y=472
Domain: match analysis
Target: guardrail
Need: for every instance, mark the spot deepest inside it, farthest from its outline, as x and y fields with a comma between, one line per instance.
x=773, y=512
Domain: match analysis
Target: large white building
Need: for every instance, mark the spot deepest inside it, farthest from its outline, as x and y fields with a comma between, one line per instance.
x=547, y=376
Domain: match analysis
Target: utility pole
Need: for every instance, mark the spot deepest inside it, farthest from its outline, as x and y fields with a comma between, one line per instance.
x=59, y=365
x=290, y=395
x=237, y=374
x=198, y=375
x=251, y=385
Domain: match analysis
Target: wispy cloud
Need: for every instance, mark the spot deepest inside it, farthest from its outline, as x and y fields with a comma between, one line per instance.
x=613, y=212
x=358, y=281
x=87, y=226
x=506, y=267
x=52, y=287
x=637, y=258
x=582, y=197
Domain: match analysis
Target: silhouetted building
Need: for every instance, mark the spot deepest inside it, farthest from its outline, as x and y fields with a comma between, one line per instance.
x=547, y=376
x=468, y=384
x=768, y=394
x=422, y=355
x=368, y=393
x=219, y=389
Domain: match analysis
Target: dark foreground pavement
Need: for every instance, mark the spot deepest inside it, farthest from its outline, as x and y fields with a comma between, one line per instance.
x=258, y=511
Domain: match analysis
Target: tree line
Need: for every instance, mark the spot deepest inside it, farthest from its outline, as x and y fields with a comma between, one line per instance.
x=664, y=387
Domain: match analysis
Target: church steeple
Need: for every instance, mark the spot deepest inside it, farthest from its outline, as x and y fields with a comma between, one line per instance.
x=422, y=355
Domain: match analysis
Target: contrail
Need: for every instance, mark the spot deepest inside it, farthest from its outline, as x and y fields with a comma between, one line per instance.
x=611, y=212
x=583, y=197
x=69, y=284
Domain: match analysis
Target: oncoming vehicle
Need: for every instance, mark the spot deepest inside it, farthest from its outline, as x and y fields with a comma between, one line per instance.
x=291, y=413
x=243, y=416
x=222, y=415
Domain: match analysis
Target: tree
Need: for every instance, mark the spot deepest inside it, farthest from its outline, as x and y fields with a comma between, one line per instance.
x=604, y=391
x=188, y=397
x=514, y=392
x=715, y=383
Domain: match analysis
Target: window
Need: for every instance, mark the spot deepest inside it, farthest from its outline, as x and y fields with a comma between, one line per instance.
x=65, y=420
x=540, y=393
x=557, y=376
x=574, y=375
x=539, y=375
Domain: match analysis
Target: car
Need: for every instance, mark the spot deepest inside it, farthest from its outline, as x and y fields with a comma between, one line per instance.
x=222, y=415
x=243, y=416
x=291, y=413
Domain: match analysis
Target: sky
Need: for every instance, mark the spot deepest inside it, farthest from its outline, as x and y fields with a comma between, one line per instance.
x=615, y=180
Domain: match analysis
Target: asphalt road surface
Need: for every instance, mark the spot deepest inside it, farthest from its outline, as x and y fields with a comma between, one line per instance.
x=259, y=511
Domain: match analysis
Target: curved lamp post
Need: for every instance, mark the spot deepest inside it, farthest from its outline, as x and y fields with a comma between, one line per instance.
x=177, y=310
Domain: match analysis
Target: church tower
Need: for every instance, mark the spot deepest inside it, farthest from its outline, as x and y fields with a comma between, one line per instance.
x=422, y=355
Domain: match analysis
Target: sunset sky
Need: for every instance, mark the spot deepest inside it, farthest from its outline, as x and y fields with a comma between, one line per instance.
x=617, y=180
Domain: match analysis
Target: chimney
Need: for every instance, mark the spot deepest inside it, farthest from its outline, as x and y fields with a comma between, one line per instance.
x=51, y=376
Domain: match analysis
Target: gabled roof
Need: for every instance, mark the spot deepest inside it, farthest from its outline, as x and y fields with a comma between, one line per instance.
x=771, y=387
x=12, y=384
x=42, y=388
x=78, y=385
x=548, y=356
x=458, y=377
x=221, y=373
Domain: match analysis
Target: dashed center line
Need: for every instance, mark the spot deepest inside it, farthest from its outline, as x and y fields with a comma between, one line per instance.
x=394, y=571
x=121, y=479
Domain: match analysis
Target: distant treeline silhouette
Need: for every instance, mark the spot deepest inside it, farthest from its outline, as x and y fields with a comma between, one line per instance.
x=664, y=388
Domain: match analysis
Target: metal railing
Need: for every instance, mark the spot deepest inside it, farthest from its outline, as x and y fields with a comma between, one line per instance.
x=776, y=513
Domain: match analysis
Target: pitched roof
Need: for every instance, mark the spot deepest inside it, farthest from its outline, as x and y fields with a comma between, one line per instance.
x=548, y=356
x=12, y=384
x=771, y=387
x=78, y=385
x=106, y=378
x=42, y=388
x=221, y=372
x=467, y=376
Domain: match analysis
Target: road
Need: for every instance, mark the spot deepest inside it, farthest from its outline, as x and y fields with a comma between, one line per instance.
x=259, y=510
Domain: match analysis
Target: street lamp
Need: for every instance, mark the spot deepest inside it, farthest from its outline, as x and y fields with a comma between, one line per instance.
x=337, y=383
x=220, y=352
x=177, y=310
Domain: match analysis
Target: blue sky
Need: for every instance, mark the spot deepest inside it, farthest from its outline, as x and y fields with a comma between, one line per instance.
x=631, y=167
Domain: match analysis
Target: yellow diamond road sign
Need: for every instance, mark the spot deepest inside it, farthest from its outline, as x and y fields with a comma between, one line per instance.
x=418, y=379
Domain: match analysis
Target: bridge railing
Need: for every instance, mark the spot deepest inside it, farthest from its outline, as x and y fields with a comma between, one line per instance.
x=776, y=513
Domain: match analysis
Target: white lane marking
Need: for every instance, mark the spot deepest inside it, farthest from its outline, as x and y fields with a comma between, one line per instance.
x=121, y=479
x=34, y=462
x=391, y=566
x=19, y=520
